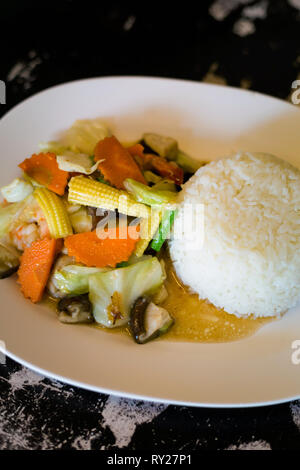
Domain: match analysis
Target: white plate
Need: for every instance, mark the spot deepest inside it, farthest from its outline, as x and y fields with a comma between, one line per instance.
x=209, y=121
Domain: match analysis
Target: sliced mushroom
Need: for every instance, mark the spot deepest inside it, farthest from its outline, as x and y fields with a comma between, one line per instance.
x=148, y=321
x=9, y=260
x=62, y=260
x=75, y=310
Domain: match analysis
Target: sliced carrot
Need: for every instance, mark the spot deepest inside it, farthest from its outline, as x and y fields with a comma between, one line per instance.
x=148, y=161
x=44, y=169
x=35, y=266
x=117, y=164
x=141, y=158
x=167, y=169
x=136, y=150
x=92, y=249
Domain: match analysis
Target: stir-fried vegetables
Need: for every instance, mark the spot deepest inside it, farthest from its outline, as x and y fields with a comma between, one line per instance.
x=35, y=267
x=148, y=321
x=55, y=213
x=164, y=230
x=73, y=279
x=150, y=161
x=84, y=213
x=166, y=169
x=152, y=177
x=147, y=195
x=75, y=310
x=9, y=260
x=103, y=248
x=88, y=192
x=168, y=148
x=187, y=163
x=112, y=294
x=116, y=163
x=60, y=262
x=148, y=229
x=84, y=135
x=77, y=163
x=17, y=190
x=81, y=221
x=163, y=146
x=44, y=169
x=164, y=185
x=8, y=215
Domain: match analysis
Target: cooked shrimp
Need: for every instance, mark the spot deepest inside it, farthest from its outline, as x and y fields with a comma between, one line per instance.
x=24, y=235
x=33, y=226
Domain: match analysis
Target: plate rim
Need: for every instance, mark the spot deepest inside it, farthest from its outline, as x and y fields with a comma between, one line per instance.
x=141, y=397
x=148, y=77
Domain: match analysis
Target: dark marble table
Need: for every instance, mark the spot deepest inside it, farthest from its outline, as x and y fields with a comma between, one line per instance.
x=242, y=43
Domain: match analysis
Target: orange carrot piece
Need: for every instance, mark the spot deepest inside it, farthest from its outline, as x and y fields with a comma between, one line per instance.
x=136, y=150
x=89, y=249
x=35, y=266
x=44, y=169
x=167, y=169
x=117, y=163
x=150, y=161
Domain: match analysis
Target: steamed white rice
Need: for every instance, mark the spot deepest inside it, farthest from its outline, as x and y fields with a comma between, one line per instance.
x=249, y=262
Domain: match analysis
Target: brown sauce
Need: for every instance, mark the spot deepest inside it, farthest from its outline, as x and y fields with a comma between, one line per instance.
x=198, y=320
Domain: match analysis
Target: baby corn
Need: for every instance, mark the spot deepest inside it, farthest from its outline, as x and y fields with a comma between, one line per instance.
x=55, y=213
x=88, y=192
x=148, y=228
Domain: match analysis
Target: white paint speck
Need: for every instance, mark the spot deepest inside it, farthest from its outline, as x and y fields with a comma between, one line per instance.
x=85, y=441
x=24, y=70
x=129, y=23
x=253, y=445
x=259, y=10
x=295, y=4
x=220, y=9
x=243, y=27
x=15, y=71
x=24, y=377
x=27, y=378
x=122, y=417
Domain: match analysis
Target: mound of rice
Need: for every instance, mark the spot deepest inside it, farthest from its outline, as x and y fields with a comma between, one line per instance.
x=249, y=262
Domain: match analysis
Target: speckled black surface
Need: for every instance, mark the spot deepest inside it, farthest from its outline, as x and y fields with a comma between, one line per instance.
x=250, y=44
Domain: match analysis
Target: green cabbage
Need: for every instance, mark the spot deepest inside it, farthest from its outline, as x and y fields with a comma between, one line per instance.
x=164, y=185
x=17, y=190
x=187, y=163
x=76, y=162
x=113, y=293
x=9, y=215
x=84, y=135
x=151, y=177
x=53, y=147
x=147, y=195
x=73, y=279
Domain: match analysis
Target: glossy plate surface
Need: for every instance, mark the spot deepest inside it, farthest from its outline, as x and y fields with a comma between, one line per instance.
x=208, y=121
